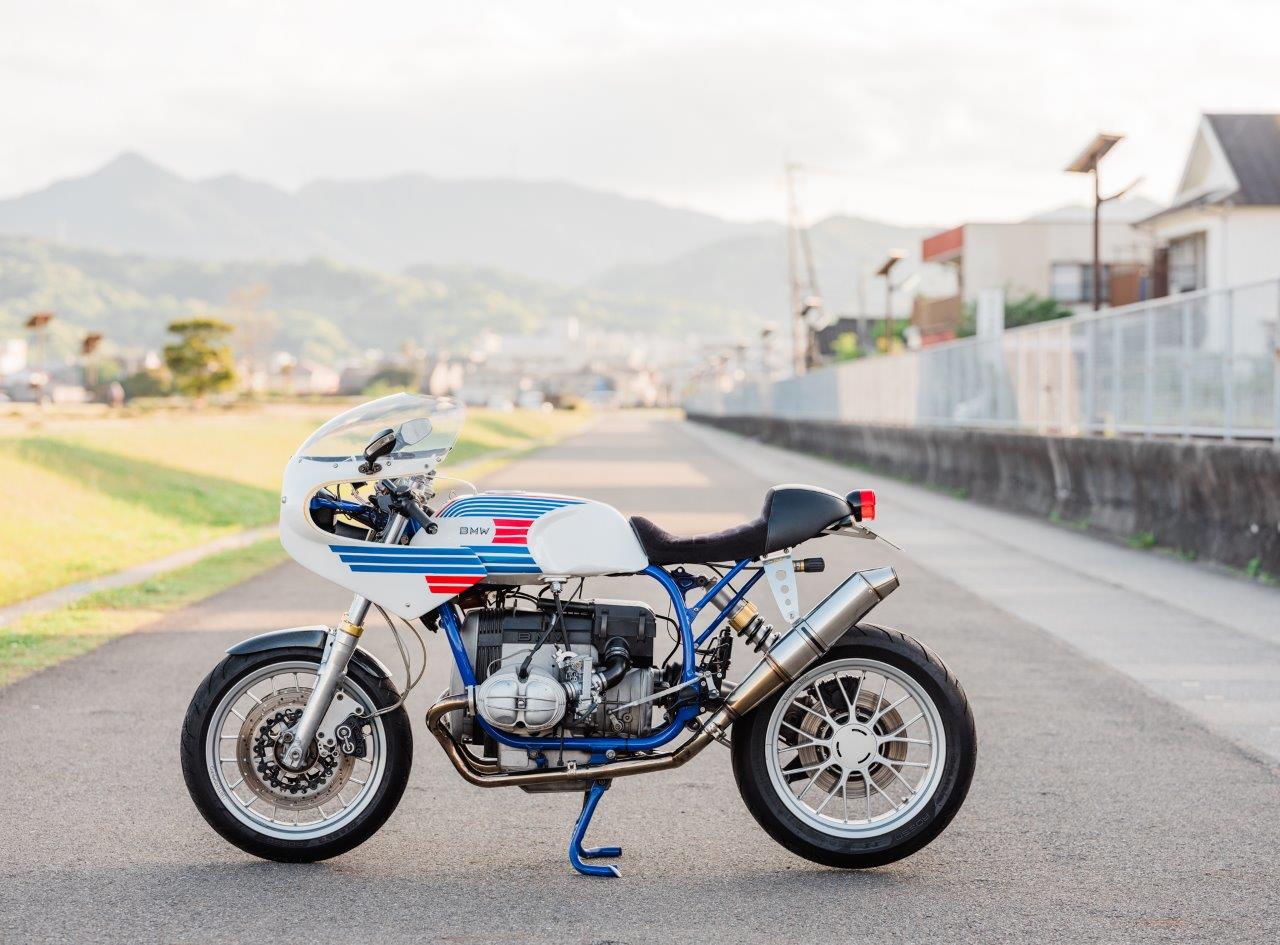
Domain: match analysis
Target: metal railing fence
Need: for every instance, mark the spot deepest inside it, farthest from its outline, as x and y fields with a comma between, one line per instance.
x=1203, y=363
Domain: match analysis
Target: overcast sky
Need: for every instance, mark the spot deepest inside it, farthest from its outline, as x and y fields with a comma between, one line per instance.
x=931, y=112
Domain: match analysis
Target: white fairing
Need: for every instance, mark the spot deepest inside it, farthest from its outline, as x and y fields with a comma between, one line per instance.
x=490, y=537
x=586, y=539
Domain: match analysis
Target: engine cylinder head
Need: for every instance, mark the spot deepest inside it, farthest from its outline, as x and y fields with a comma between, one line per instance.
x=527, y=706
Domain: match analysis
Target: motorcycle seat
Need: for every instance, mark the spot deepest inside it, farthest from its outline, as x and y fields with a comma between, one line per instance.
x=792, y=514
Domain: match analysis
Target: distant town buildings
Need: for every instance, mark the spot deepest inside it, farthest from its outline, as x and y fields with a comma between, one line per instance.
x=1222, y=229
x=563, y=361
x=1049, y=255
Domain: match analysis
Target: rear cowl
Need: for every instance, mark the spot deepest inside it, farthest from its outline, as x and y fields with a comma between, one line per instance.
x=808, y=639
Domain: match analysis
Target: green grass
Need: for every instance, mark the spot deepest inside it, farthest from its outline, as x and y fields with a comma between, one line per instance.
x=1142, y=540
x=1079, y=525
x=40, y=640
x=487, y=432
x=91, y=496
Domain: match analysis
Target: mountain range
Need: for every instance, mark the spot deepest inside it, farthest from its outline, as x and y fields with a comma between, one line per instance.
x=346, y=265
x=552, y=231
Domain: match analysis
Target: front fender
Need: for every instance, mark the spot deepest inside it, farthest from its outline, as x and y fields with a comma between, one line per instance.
x=314, y=637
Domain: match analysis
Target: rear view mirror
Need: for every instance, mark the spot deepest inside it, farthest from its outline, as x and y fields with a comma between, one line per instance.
x=378, y=447
x=414, y=431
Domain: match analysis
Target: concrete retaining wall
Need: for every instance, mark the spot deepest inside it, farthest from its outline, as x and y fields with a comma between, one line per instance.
x=1218, y=501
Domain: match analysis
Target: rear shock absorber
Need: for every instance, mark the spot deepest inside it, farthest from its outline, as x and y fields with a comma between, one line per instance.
x=745, y=616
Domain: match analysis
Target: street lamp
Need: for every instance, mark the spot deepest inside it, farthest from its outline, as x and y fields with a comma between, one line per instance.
x=886, y=269
x=87, y=347
x=39, y=323
x=766, y=349
x=1087, y=163
x=810, y=316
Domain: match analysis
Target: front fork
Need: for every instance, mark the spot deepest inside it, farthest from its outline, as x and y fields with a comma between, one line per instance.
x=333, y=667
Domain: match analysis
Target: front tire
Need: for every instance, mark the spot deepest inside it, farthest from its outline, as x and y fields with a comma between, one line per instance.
x=233, y=775
x=865, y=758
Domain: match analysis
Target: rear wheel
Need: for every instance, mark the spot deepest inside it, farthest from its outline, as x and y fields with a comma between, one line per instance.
x=233, y=771
x=865, y=758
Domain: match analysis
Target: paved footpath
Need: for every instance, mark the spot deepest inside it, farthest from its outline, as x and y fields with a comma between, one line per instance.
x=1107, y=806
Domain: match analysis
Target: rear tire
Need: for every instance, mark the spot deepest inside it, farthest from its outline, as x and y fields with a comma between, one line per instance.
x=836, y=767
x=240, y=685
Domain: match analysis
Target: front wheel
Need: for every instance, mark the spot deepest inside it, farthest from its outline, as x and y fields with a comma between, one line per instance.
x=233, y=771
x=865, y=758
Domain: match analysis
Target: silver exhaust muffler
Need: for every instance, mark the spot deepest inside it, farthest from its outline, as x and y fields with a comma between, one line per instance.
x=807, y=640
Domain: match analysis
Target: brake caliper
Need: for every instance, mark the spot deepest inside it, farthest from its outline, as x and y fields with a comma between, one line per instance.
x=350, y=735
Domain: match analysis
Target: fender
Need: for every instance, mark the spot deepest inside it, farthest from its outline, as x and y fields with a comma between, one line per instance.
x=314, y=637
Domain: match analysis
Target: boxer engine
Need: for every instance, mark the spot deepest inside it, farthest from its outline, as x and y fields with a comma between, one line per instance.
x=594, y=684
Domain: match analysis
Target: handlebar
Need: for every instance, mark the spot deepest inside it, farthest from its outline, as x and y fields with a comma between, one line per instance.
x=408, y=506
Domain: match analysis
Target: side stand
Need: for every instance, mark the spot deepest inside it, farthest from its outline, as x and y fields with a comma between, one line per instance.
x=577, y=852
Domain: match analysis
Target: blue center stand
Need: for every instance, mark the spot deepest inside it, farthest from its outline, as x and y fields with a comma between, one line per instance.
x=577, y=852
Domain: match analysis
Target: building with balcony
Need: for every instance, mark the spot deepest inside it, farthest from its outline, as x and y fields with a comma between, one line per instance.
x=1048, y=255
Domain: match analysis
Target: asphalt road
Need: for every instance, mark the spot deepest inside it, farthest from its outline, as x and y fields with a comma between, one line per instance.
x=1099, y=812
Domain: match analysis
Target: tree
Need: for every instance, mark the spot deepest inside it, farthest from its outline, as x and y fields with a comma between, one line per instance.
x=200, y=361
x=149, y=383
x=1028, y=310
x=845, y=347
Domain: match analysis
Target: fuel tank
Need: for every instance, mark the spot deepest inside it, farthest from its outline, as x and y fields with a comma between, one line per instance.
x=517, y=534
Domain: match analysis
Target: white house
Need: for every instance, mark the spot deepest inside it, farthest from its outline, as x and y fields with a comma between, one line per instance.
x=1223, y=227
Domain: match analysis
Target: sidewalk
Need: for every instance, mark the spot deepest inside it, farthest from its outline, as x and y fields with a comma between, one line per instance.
x=1205, y=641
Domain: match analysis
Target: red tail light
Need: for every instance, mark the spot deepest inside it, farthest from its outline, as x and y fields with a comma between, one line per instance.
x=863, y=504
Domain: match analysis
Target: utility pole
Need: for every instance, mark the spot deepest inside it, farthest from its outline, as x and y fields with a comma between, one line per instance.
x=886, y=270
x=254, y=327
x=805, y=297
x=1087, y=163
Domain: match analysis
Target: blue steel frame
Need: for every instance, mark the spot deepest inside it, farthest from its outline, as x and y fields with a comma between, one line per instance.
x=685, y=617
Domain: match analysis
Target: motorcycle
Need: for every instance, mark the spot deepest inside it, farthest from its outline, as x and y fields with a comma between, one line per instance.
x=852, y=745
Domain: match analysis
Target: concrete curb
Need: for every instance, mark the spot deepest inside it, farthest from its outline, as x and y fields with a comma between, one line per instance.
x=1214, y=500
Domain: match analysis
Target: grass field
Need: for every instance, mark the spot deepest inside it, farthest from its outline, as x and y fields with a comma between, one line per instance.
x=39, y=640
x=92, y=496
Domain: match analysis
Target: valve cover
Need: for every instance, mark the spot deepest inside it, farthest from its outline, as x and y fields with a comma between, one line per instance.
x=523, y=706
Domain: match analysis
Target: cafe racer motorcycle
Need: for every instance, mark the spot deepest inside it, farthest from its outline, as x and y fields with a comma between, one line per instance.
x=852, y=745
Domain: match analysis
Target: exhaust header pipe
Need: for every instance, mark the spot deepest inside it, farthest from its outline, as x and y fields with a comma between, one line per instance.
x=808, y=639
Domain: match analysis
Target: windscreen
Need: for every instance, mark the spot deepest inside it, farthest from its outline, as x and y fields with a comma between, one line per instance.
x=423, y=426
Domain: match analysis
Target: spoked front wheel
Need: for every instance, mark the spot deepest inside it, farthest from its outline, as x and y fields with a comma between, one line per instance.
x=231, y=757
x=865, y=758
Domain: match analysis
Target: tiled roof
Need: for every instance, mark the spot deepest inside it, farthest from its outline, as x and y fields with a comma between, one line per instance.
x=1252, y=145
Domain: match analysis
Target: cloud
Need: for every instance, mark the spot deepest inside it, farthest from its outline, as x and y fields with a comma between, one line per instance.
x=928, y=111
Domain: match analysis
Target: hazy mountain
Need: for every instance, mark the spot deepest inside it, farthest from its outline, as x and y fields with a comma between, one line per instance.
x=1127, y=210
x=750, y=273
x=315, y=308
x=344, y=266
x=553, y=231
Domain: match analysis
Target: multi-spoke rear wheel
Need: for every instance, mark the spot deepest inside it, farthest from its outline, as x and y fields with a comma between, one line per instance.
x=232, y=757
x=864, y=758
